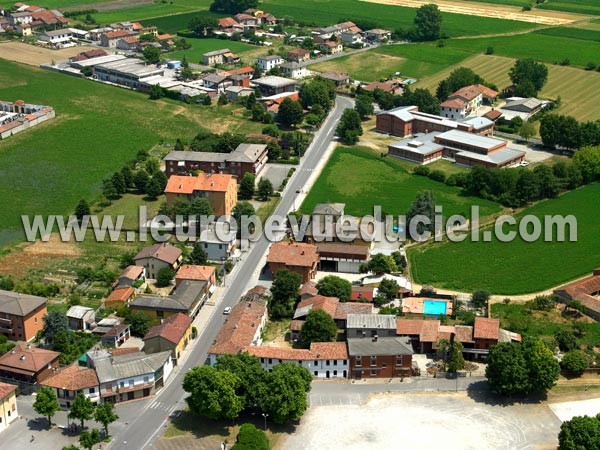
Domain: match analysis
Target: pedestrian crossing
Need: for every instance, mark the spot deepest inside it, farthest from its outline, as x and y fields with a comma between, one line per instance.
x=161, y=406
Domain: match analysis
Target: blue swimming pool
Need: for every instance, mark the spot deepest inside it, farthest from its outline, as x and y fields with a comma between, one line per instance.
x=434, y=307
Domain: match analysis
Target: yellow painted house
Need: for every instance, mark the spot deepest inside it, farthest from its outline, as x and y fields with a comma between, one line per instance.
x=8, y=405
x=173, y=335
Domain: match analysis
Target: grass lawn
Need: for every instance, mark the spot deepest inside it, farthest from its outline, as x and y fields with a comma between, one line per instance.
x=577, y=88
x=574, y=6
x=201, y=46
x=97, y=128
x=177, y=22
x=52, y=4
x=517, y=267
x=541, y=47
x=129, y=205
x=327, y=12
x=155, y=9
x=360, y=179
x=571, y=32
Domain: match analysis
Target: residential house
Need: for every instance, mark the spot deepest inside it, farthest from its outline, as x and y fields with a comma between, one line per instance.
x=370, y=325
x=243, y=328
x=119, y=297
x=324, y=360
x=216, y=81
x=273, y=102
x=380, y=357
x=247, y=20
x=294, y=256
x=308, y=289
x=473, y=96
x=131, y=376
x=268, y=62
x=293, y=70
x=273, y=85
x=158, y=256
x=454, y=108
x=172, y=335
x=378, y=35
x=133, y=276
x=246, y=158
x=223, y=56
x=352, y=38
x=81, y=317
x=219, y=189
x=20, y=18
x=298, y=55
x=230, y=25
x=344, y=309
x=237, y=93
x=197, y=273
x=339, y=257
x=128, y=43
x=216, y=247
x=390, y=87
x=165, y=40
x=56, y=37
x=338, y=78
x=72, y=380
x=97, y=33
x=363, y=293
x=112, y=38
x=187, y=298
x=240, y=76
x=116, y=336
x=28, y=366
x=21, y=315
x=493, y=115
x=331, y=47
x=423, y=334
x=24, y=29
x=586, y=291
x=8, y=405
x=48, y=18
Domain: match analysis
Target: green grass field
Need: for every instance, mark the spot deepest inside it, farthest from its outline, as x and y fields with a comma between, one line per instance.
x=520, y=3
x=175, y=22
x=542, y=47
x=573, y=6
x=52, y=4
x=201, y=46
x=47, y=169
x=360, y=179
x=578, y=89
x=517, y=267
x=412, y=60
x=327, y=12
x=571, y=33
x=157, y=9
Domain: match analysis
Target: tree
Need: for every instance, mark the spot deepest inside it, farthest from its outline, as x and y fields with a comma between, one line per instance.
x=105, y=415
x=213, y=393
x=458, y=79
x=141, y=180
x=428, y=23
x=203, y=26
x=240, y=210
x=389, y=289
x=587, y=161
x=127, y=175
x=580, y=433
x=109, y=190
x=319, y=92
x=548, y=185
x=164, y=277
x=424, y=205
x=138, y=322
x=265, y=189
x=284, y=293
x=223, y=100
x=451, y=353
x=156, y=91
x=575, y=361
x=82, y=209
x=87, y=439
x=287, y=385
x=198, y=255
x=246, y=190
x=200, y=207
x=333, y=286
x=529, y=70
x=162, y=179
x=46, y=403
x=318, y=327
x=151, y=54
x=250, y=373
x=527, y=187
x=54, y=322
x=566, y=340
x=527, y=130
x=480, y=298
x=525, y=89
x=349, y=129
x=119, y=183
x=251, y=438
x=550, y=129
x=290, y=113
x=364, y=106
x=380, y=263
x=153, y=189
x=258, y=112
x=82, y=409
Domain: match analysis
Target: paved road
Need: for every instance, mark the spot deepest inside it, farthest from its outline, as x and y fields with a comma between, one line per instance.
x=149, y=418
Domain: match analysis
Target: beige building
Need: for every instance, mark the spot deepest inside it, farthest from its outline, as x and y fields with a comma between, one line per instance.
x=8, y=405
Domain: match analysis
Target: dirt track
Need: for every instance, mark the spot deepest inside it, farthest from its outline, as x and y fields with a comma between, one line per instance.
x=33, y=55
x=490, y=10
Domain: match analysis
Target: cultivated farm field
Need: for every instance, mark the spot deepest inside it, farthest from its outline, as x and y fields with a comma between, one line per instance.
x=201, y=46
x=157, y=8
x=578, y=89
x=574, y=6
x=360, y=179
x=49, y=168
x=517, y=267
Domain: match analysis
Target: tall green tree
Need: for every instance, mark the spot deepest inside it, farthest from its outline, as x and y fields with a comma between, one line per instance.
x=350, y=128
x=334, y=286
x=389, y=289
x=46, y=403
x=203, y=25
x=424, y=205
x=287, y=385
x=290, y=113
x=251, y=438
x=82, y=409
x=87, y=439
x=580, y=433
x=364, y=106
x=529, y=70
x=198, y=255
x=141, y=180
x=265, y=189
x=213, y=393
x=451, y=354
x=153, y=189
x=480, y=298
x=284, y=293
x=54, y=322
x=164, y=277
x=527, y=130
x=428, y=23
x=318, y=327
x=246, y=190
x=250, y=373
x=380, y=264
x=151, y=54
x=575, y=361
x=82, y=209
x=105, y=415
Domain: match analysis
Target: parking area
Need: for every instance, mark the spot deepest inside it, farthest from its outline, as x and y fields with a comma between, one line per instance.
x=425, y=421
x=276, y=173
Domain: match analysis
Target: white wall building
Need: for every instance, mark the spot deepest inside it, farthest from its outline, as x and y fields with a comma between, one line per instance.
x=269, y=62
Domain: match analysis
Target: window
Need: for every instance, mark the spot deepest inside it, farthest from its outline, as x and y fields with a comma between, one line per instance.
x=92, y=390
x=327, y=363
x=122, y=384
x=373, y=373
x=373, y=360
x=335, y=373
x=262, y=360
x=373, y=333
x=8, y=413
x=335, y=362
x=270, y=361
x=131, y=382
x=316, y=373
x=146, y=379
x=398, y=360
x=358, y=361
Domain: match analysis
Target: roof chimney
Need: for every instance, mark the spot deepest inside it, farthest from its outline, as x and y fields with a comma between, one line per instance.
x=22, y=358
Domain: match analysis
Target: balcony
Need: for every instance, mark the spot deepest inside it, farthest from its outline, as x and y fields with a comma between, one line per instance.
x=135, y=387
x=5, y=322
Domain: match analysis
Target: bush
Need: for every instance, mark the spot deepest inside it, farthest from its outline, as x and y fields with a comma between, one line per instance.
x=566, y=341
x=590, y=66
x=421, y=170
x=575, y=361
x=437, y=175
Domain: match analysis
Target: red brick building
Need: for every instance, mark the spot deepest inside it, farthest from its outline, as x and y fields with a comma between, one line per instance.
x=387, y=357
x=27, y=366
x=21, y=315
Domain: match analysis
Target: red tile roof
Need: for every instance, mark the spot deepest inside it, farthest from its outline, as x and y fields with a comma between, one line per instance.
x=579, y=288
x=453, y=103
x=327, y=304
x=120, y=294
x=163, y=252
x=308, y=289
x=362, y=293
x=227, y=22
x=486, y=91
x=329, y=350
x=73, y=378
x=296, y=325
x=191, y=272
x=485, y=328
x=27, y=360
x=204, y=182
x=343, y=309
x=293, y=254
x=132, y=272
x=492, y=114
x=318, y=351
x=173, y=328
x=6, y=390
x=117, y=34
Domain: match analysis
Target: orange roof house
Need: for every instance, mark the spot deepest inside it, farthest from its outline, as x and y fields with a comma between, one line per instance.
x=173, y=335
x=219, y=189
x=294, y=256
x=196, y=273
x=119, y=297
x=26, y=366
x=70, y=380
x=485, y=328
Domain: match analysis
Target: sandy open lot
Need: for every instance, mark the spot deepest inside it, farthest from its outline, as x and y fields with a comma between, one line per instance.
x=568, y=410
x=426, y=421
x=490, y=10
x=31, y=54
